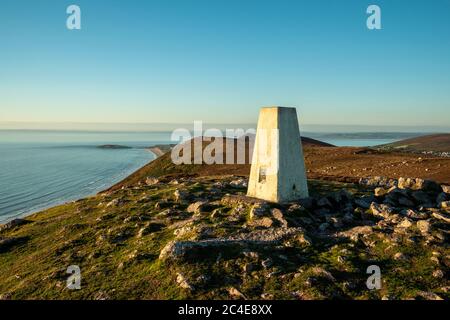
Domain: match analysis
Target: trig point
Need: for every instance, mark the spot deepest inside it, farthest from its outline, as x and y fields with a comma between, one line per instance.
x=278, y=168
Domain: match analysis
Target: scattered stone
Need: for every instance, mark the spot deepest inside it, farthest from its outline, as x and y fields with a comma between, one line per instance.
x=360, y=230
x=405, y=223
x=12, y=224
x=239, y=183
x=295, y=208
x=180, y=195
x=7, y=243
x=381, y=210
x=265, y=222
x=428, y=295
x=267, y=296
x=410, y=213
x=400, y=257
x=150, y=181
x=101, y=296
x=278, y=215
x=182, y=282
x=445, y=189
x=197, y=207
x=236, y=293
x=441, y=216
x=379, y=192
x=114, y=203
x=175, y=250
x=323, y=273
x=251, y=254
x=258, y=210
x=444, y=204
x=267, y=263
x=424, y=226
x=405, y=183
x=438, y=274
x=248, y=267
x=304, y=239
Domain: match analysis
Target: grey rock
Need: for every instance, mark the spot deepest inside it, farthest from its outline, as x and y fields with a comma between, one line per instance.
x=12, y=224
x=150, y=181
x=424, y=226
x=259, y=210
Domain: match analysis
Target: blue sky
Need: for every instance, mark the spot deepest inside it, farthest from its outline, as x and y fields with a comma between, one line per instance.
x=220, y=61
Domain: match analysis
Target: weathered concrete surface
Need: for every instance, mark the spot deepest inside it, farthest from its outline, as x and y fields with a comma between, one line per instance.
x=278, y=153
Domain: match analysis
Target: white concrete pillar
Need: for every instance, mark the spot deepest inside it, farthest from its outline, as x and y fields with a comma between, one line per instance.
x=278, y=169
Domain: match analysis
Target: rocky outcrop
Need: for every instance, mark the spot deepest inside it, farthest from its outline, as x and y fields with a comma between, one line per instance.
x=176, y=250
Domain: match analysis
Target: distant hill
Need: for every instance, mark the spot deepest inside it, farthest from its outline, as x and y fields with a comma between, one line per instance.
x=433, y=143
x=163, y=165
x=313, y=142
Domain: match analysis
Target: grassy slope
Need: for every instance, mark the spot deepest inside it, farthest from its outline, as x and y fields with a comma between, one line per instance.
x=118, y=264
x=433, y=142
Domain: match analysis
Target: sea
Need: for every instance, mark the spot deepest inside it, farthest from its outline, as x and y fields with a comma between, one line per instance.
x=40, y=169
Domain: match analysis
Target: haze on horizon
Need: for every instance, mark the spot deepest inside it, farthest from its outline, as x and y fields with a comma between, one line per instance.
x=174, y=62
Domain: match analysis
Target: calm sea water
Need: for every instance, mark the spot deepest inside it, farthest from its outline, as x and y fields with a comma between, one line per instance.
x=40, y=169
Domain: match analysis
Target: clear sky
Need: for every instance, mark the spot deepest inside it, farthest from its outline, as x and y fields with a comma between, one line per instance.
x=220, y=60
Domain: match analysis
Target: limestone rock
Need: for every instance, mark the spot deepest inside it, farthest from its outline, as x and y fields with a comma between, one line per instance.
x=235, y=293
x=424, y=226
x=180, y=195
x=278, y=215
x=379, y=192
x=197, y=207
x=405, y=183
x=444, y=204
x=441, y=216
x=183, y=283
x=360, y=230
x=258, y=210
x=12, y=224
x=265, y=222
x=400, y=256
x=405, y=223
x=381, y=210
x=239, y=183
x=445, y=189
x=150, y=181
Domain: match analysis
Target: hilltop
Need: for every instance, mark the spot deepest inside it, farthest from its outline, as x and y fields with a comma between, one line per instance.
x=323, y=161
x=189, y=231
x=437, y=144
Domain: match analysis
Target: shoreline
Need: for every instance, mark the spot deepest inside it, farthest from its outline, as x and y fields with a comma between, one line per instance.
x=23, y=215
x=156, y=151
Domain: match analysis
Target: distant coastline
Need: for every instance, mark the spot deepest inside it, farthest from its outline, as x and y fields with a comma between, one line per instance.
x=160, y=149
